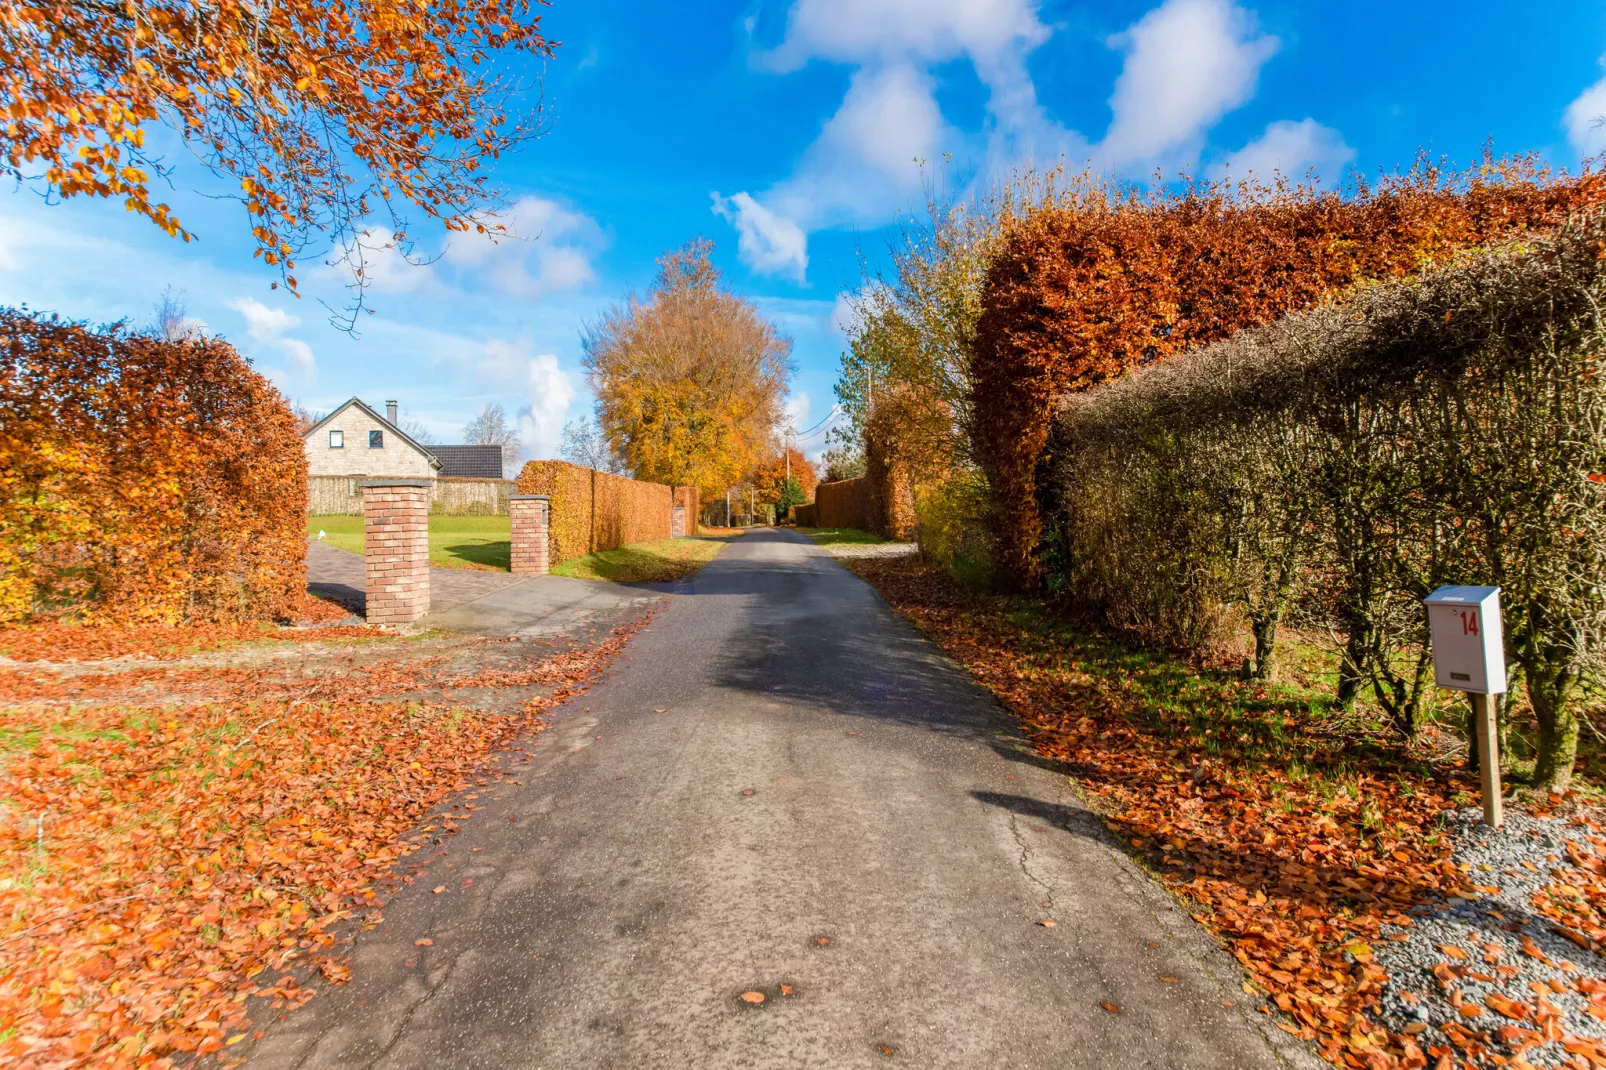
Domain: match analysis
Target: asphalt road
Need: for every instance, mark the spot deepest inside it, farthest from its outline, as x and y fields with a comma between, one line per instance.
x=825, y=803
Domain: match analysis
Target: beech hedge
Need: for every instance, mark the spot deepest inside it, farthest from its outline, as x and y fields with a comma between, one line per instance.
x=1343, y=462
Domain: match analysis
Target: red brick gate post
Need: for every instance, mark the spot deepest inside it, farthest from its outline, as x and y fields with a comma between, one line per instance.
x=395, y=515
x=531, y=515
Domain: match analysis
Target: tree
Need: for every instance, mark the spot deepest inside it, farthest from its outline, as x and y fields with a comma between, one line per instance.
x=784, y=480
x=492, y=428
x=845, y=461
x=690, y=381
x=170, y=319
x=585, y=444
x=320, y=112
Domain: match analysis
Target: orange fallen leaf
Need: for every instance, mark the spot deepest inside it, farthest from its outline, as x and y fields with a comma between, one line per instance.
x=1453, y=951
x=1048, y=923
x=1111, y=1007
x=751, y=997
x=1169, y=980
x=661, y=709
x=786, y=990
x=439, y=888
x=425, y=942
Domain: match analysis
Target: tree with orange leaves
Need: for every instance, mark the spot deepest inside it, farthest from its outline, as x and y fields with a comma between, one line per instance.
x=322, y=110
x=772, y=475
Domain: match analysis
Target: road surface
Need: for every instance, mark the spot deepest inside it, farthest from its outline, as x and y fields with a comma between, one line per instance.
x=781, y=784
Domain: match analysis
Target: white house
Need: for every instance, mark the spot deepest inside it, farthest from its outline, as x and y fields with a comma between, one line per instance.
x=354, y=440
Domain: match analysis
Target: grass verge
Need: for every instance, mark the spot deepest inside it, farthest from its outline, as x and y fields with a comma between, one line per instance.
x=1293, y=836
x=662, y=561
x=842, y=536
x=483, y=543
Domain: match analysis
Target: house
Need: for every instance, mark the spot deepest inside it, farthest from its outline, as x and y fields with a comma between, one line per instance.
x=354, y=440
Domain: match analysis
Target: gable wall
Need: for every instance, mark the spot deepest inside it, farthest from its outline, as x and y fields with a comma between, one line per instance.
x=397, y=460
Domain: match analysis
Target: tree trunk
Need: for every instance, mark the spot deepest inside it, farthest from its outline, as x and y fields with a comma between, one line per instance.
x=1558, y=728
x=1265, y=631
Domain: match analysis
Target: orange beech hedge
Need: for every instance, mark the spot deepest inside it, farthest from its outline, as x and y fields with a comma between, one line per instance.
x=596, y=511
x=143, y=480
x=847, y=503
x=1080, y=292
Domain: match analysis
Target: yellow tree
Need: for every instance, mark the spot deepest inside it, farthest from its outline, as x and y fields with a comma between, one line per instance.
x=690, y=381
x=322, y=111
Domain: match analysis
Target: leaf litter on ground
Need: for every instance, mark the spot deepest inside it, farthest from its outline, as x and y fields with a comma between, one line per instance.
x=167, y=860
x=1299, y=847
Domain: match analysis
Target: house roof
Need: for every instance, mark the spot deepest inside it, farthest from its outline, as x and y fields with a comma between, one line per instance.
x=482, y=462
x=403, y=435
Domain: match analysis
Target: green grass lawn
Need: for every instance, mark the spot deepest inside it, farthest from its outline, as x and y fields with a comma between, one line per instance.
x=840, y=536
x=475, y=542
x=662, y=561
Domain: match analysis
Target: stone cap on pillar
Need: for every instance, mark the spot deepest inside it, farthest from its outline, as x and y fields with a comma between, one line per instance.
x=421, y=483
x=529, y=497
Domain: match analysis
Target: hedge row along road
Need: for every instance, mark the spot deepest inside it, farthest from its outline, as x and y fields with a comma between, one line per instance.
x=782, y=831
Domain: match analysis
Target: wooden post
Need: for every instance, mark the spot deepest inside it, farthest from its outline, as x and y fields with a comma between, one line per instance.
x=1483, y=718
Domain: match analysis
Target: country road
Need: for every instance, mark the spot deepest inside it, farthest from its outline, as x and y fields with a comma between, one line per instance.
x=781, y=784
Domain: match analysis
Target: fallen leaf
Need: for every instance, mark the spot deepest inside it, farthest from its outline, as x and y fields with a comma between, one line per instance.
x=786, y=990
x=1111, y=1007
x=425, y=942
x=661, y=709
x=1048, y=923
x=438, y=889
x=1169, y=980
x=749, y=997
x=1453, y=951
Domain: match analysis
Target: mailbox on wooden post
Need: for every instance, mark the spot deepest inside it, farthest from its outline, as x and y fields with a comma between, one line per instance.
x=1469, y=655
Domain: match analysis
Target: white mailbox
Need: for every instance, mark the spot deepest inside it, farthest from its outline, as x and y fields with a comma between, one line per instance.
x=1469, y=651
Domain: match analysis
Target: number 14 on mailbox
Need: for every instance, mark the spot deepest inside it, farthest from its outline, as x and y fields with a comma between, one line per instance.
x=1469, y=655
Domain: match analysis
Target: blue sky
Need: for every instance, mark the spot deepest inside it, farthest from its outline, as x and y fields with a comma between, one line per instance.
x=787, y=132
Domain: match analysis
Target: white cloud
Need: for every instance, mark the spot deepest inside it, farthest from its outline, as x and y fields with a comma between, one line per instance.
x=768, y=243
x=267, y=326
x=798, y=406
x=548, y=393
x=1188, y=63
x=262, y=323
x=545, y=249
x=867, y=31
x=1292, y=150
x=844, y=316
x=1585, y=119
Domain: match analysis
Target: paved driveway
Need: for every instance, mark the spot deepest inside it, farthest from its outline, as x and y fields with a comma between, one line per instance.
x=782, y=789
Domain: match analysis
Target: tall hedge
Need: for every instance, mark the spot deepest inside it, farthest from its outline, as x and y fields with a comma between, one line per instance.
x=1347, y=460
x=1083, y=290
x=594, y=510
x=142, y=479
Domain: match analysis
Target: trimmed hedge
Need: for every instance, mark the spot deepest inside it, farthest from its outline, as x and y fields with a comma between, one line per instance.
x=1348, y=460
x=1098, y=283
x=847, y=503
x=594, y=510
x=144, y=480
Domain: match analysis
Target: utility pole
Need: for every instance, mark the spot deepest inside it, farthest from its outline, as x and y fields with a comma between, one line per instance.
x=788, y=451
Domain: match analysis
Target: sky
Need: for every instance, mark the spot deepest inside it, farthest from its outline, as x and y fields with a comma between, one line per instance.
x=795, y=134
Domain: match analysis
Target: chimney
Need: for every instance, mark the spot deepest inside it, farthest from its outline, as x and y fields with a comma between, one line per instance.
x=390, y=412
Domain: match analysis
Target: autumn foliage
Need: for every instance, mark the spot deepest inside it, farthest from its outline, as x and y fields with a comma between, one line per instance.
x=847, y=503
x=144, y=480
x=322, y=112
x=593, y=510
x=769, y=478
x=1258, y=816
x=182, y=845
x=1098, y=282
x=690, y=379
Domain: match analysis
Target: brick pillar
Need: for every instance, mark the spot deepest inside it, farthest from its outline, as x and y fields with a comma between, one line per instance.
x=531, y=515
x=395, y=515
